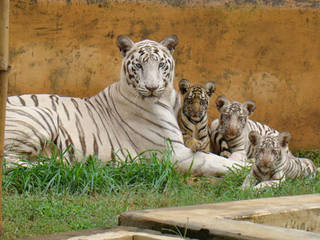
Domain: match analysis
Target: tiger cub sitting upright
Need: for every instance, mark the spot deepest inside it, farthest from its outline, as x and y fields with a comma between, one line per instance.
x=192, y=117
x=229, y=133
x=274, y=162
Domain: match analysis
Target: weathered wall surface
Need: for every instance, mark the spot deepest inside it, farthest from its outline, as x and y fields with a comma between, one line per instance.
x=264, y=53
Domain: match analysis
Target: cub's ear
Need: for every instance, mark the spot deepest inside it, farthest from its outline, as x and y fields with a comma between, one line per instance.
x=184, y=86
x=221, y=101
x=254, y=138
x=284, y=139
x=210, y=87
x=250, y=106
x=170, y=42
x=124, y=43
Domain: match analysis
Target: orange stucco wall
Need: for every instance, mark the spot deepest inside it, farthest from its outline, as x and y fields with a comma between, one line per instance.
x=267, y=54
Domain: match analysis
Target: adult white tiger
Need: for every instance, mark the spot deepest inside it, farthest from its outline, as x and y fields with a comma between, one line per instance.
x=134, y=114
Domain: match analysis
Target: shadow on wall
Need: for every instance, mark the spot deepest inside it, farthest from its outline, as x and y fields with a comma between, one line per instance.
x=256, y=51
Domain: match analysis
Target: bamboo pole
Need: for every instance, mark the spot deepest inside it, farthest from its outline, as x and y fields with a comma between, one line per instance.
x=4, y=68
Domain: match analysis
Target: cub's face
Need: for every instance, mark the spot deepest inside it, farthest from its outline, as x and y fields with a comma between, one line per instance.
x=233, y=116
x=268, y=149
x=195, y=99
x=148, y=66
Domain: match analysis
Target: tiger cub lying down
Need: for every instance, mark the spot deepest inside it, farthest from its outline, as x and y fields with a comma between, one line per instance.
x=274, y=162
x=229, y=133
x=192, y=117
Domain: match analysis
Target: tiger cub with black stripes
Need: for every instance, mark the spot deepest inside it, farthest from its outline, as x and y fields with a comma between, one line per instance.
x=274, y=162
x=192, y=117
x=229, y=133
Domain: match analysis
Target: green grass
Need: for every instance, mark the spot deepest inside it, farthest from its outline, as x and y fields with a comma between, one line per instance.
x=56, y=196
x=151, y=169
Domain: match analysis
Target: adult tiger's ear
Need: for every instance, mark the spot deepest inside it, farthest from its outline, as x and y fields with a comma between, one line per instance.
x=221, y=101
x=254, y=138
x=250, y=106
x=124, y=43
x=170, y=42
x=184, y=86
x=284, y=139
x=210, y=87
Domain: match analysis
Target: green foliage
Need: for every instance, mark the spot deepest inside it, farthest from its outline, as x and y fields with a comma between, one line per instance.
x=57, y=196
x=152, y=169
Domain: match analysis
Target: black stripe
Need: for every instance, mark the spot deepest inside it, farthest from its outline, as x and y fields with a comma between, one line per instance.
x=76, y=105
x=45, y=120
x=95, y=145
x=163, y=105
x=53, y=103
x=81, y=135
x=204, y=127
x=25, y=114
x=215, y=137
x=103, y=123
x=203, y=137
x=51, y=118
x=154, y=123
x=22, y=100
x=23, y=134
x=132, y=129
x=121, y=119
x=164, y=138
x=35, y=100
x=30, y=145
x=15, y=131
x=133, y=103
x=68, y=140
x=112, y=120
x=93, y=119
x=185, y=126
x=66, y=111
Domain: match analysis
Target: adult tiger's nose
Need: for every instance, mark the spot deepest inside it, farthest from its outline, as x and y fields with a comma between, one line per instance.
x=152, y=88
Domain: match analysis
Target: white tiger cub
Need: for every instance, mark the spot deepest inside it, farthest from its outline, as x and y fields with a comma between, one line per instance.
x=229, y=133
x=274, y=162
x=134, y=114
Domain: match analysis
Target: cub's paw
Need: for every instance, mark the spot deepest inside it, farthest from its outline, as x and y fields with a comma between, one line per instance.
x=225, y=154
x=196, y=146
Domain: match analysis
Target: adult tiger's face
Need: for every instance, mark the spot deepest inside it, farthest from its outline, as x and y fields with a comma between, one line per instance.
x=148, y=66
x=233, y=116
x=269, y=149
x=195, y=99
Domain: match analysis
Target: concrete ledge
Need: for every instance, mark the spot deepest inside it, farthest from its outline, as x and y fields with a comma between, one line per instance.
x=222, y=219
x=119, y=233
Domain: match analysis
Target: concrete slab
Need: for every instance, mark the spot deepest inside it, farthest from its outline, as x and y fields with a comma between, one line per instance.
x=119, y=233
x=231, y=220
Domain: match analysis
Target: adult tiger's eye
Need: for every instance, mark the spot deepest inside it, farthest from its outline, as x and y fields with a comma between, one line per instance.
x=138, y=65
x=161, y=65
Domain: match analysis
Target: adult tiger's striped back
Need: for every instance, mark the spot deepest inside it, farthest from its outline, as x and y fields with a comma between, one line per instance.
x=137, y=113
x=232, y=129
x=193, y=117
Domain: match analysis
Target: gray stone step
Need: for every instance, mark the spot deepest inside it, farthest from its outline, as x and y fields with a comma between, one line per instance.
x=236, y=220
